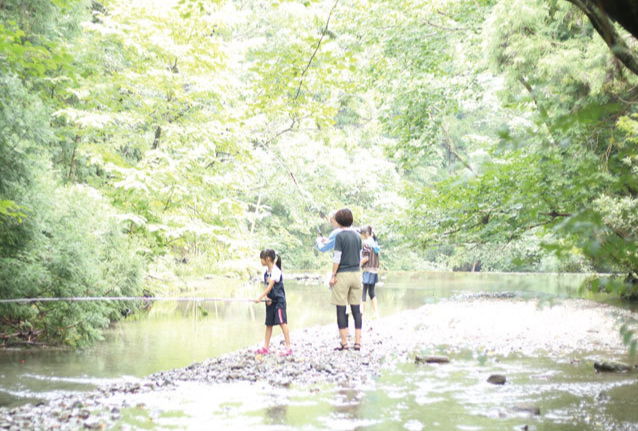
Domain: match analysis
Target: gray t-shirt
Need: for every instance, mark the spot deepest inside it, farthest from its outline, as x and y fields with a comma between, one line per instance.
x=348, y=242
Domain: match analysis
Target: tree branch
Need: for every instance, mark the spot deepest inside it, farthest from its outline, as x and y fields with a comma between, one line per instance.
x=170, y=198
x=278, y=134
x=445, y=28
x=605, y=28
x=485, y=219
x=452, y=148
x=554, y=214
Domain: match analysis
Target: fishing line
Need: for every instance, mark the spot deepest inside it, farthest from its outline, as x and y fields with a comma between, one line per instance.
x=292, y=176
x=123, y=298
x=294, y=120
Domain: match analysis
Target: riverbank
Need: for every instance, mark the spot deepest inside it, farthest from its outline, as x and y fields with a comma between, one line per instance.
x=491, y=325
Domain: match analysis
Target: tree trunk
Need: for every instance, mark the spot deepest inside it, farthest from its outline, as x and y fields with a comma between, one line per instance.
x=156, y=141
x=76, y=142
x=626, y=14
x=72, y=167
x=252, y=226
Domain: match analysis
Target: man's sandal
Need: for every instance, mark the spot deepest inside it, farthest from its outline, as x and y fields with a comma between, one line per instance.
x=343, y=347
x=357, y=346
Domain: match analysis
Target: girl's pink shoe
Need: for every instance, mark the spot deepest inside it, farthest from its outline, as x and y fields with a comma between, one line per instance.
x=263, y=351
x=286, y=352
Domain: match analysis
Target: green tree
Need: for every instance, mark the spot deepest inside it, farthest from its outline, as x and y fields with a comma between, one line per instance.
x=55, y=239
x=559, y=165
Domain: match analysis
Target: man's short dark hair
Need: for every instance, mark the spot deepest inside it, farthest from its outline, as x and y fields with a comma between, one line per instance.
x=344, y=217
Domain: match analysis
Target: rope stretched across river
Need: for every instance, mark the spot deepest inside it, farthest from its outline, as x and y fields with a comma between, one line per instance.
x=123, y=298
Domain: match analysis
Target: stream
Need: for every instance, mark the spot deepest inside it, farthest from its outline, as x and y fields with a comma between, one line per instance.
x=404, y=396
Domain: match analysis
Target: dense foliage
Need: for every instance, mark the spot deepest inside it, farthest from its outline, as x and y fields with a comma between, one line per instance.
x=181, y=137
x=556, y=167
x=57, y=238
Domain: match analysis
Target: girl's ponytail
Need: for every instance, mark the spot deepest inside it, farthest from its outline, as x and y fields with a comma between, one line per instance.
x=272, y=255
x=368, y=229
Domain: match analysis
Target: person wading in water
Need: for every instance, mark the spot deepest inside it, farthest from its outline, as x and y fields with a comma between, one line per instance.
x=370, y=267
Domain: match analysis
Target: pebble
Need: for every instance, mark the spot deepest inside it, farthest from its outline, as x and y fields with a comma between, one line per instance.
x=496, y=379
x=527, y=408
x=93, y=425
x=431, y=359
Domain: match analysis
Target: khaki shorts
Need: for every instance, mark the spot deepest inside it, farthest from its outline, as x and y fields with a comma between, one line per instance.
x=348, y=287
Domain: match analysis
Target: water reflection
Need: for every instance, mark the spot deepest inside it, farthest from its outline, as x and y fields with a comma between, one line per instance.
x=177, y=334
x=277, y=414
x=452, y=396
x=348, y=410
x=408, y=396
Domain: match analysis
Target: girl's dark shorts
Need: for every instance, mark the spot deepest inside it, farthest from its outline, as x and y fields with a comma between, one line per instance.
x=276, y=314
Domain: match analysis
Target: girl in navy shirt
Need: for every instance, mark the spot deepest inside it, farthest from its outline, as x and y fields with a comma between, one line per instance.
x=275, y=300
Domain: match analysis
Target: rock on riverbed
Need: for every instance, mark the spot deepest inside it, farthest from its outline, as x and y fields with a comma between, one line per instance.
x=431, y=359
x=613, y=367
x=497, y=379
x=502, y=326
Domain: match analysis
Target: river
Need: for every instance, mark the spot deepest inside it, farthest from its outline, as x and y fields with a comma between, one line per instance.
x=405, y=396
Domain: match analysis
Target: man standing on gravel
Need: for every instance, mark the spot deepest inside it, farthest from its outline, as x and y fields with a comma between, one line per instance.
x=346, y=277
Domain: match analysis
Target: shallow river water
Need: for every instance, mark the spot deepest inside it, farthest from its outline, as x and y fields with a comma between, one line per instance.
x=405, y=396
